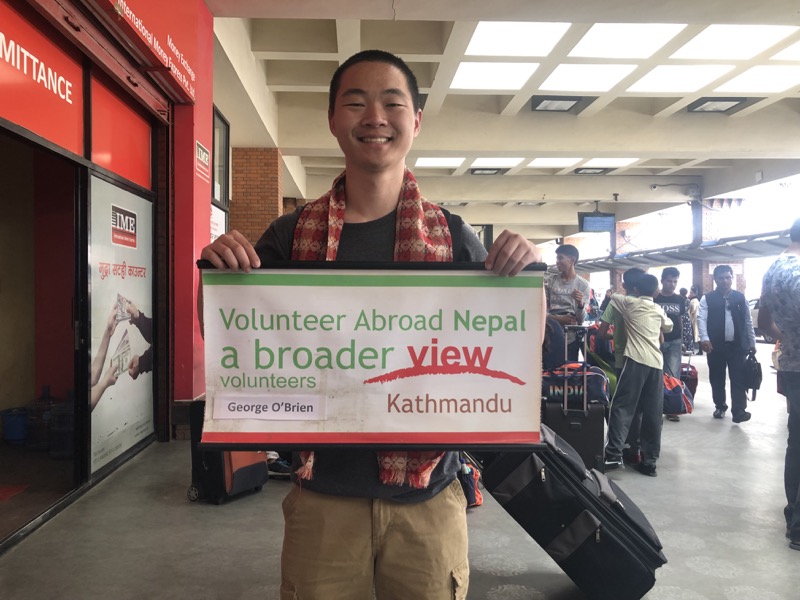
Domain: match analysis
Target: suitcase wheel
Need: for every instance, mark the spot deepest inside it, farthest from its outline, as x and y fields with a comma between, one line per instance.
x=193, y=494
x=258, y=488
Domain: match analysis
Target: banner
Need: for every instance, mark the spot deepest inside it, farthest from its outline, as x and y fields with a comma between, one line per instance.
x=346, y=356
x=121, y=267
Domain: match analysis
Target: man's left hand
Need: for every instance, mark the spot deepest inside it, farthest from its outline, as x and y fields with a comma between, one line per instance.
x=510, y=253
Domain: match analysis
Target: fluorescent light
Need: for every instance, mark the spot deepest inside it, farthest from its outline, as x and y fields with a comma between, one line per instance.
x=593, y=171
x=679, y=78
x=610, y=163
x=496, y=163
x=625, y=40
x=790, y=53
x=764, y=79
x=492, y=76
x=734, y=42
x=554, y=104
x=553, y=163
x=714, y=104
x=586, y=78
x=442, y=163
x=505, y=38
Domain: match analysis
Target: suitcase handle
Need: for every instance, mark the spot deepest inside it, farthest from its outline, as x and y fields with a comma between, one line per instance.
x=580, y=332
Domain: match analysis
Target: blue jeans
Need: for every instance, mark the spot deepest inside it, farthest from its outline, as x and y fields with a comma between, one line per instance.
x=791, y=471
x=672, y=357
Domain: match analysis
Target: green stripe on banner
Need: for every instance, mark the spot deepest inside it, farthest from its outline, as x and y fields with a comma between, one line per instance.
x=340, y=280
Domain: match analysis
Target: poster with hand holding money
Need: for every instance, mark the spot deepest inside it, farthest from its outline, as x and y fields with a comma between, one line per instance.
x=121, y=280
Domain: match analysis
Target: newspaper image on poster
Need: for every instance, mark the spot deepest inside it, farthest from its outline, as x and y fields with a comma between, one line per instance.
x=121, y=267
x=406, y=357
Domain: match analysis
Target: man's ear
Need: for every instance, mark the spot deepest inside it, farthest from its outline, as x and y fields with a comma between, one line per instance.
x=417, y=122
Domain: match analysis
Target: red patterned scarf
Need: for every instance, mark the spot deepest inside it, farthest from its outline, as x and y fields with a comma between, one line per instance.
x=422, y=235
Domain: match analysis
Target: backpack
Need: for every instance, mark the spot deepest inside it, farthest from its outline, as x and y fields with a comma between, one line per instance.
x=677, y=398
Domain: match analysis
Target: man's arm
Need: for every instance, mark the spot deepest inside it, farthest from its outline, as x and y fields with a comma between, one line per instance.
x=765, y=320
x=702, y=323
x=748, y=325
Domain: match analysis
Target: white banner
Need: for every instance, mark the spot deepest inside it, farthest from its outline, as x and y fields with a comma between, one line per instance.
x=426, y=356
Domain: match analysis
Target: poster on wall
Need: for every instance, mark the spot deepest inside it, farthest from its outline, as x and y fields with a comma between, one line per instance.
x=121, y=280
x=408, y=357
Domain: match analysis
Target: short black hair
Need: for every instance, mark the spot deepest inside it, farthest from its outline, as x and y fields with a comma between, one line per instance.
x=569, y=251
x=794, y=232
x=722, y=269
x=683, y=291
x=374, y=56
x=670, y=272
x=647, y=284
x=630, y=277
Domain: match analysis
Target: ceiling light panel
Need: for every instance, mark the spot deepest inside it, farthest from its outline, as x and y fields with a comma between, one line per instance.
x=586, y=78
x=765, y=79
x=504, y=38
x=679, y=78
x=496, y=163
x=553, y=163
x=492, y=76
x=790, y=53
x=734, y=42
x=625, y=40
x=610, y=163
x=438, y=163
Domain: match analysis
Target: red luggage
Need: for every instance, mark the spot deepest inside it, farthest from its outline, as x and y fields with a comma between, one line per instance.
x=689, y=377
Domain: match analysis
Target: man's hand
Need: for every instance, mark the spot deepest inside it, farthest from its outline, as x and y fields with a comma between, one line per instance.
x=706, y=346
x=578, y=296
x=133, y=367
x=232, y=251
x=565, y=319
x=510, y=253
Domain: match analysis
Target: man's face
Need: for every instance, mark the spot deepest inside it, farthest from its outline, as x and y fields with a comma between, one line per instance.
x=373, y=118
x=564, y=263
x=668, y=285
x=724, y=281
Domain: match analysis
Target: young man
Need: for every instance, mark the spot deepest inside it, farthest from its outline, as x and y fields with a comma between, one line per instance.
x=726, y=336
x=347, y=533
x=641, y=383
x=674, y=305
x=779, y=314
x=567, y=295
x=632, y=453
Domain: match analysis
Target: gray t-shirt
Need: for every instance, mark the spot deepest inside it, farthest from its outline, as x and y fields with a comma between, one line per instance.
x=354, y=471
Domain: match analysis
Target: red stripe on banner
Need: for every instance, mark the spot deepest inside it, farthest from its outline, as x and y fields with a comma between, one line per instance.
x=399, y=438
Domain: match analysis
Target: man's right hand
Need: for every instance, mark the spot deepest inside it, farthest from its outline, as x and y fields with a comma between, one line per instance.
x=706, y=346
x=565, y=319
x=231, y=251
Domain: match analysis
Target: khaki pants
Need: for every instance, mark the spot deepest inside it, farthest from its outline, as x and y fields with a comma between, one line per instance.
x=341, y=548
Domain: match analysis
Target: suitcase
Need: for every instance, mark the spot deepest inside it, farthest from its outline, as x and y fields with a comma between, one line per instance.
x=689, y=377
x=583, y=520
x=582, y=427
x=221, y=474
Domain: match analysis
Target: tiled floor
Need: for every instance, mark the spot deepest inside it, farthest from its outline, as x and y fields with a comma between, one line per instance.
x=716, y=504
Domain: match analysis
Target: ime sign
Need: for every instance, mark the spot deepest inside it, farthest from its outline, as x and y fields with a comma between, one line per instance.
x=123, y=227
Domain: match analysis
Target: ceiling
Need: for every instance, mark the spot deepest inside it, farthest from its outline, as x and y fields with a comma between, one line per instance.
x=273, y=62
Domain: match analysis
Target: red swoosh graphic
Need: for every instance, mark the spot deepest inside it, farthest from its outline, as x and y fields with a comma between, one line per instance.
x=443, y=370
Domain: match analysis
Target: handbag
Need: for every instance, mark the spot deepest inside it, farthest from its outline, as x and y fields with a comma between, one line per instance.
x=752, y=374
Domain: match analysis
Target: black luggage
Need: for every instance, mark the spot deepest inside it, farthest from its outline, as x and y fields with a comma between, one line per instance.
x=583, y=520
x=583, y=427
x=220, y=474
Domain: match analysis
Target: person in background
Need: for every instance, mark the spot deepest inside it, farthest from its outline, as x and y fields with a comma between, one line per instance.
x=631, y=454
x=674, y=305
x=779, y=314
x=567, y=295
x=641, y=382
x=606, y=301
x=726, y=336
x=392, y=522
x=687, y=334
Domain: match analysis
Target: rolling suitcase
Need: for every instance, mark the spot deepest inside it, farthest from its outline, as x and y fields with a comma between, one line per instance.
x=582, y=427
x=220, y=474
x=583, y=520
x=689, y=377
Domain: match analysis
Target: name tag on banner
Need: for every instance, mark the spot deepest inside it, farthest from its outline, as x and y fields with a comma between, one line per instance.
x=422, y=356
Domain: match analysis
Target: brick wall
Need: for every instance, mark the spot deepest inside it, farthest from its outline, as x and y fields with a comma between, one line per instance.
x=256, y=190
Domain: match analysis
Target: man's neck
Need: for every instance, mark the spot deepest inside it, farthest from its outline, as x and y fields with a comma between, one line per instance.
x=371, y=196
x=794, y=248
x=569, y=274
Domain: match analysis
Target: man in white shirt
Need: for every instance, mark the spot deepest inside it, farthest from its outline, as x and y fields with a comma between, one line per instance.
x=567, y=294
